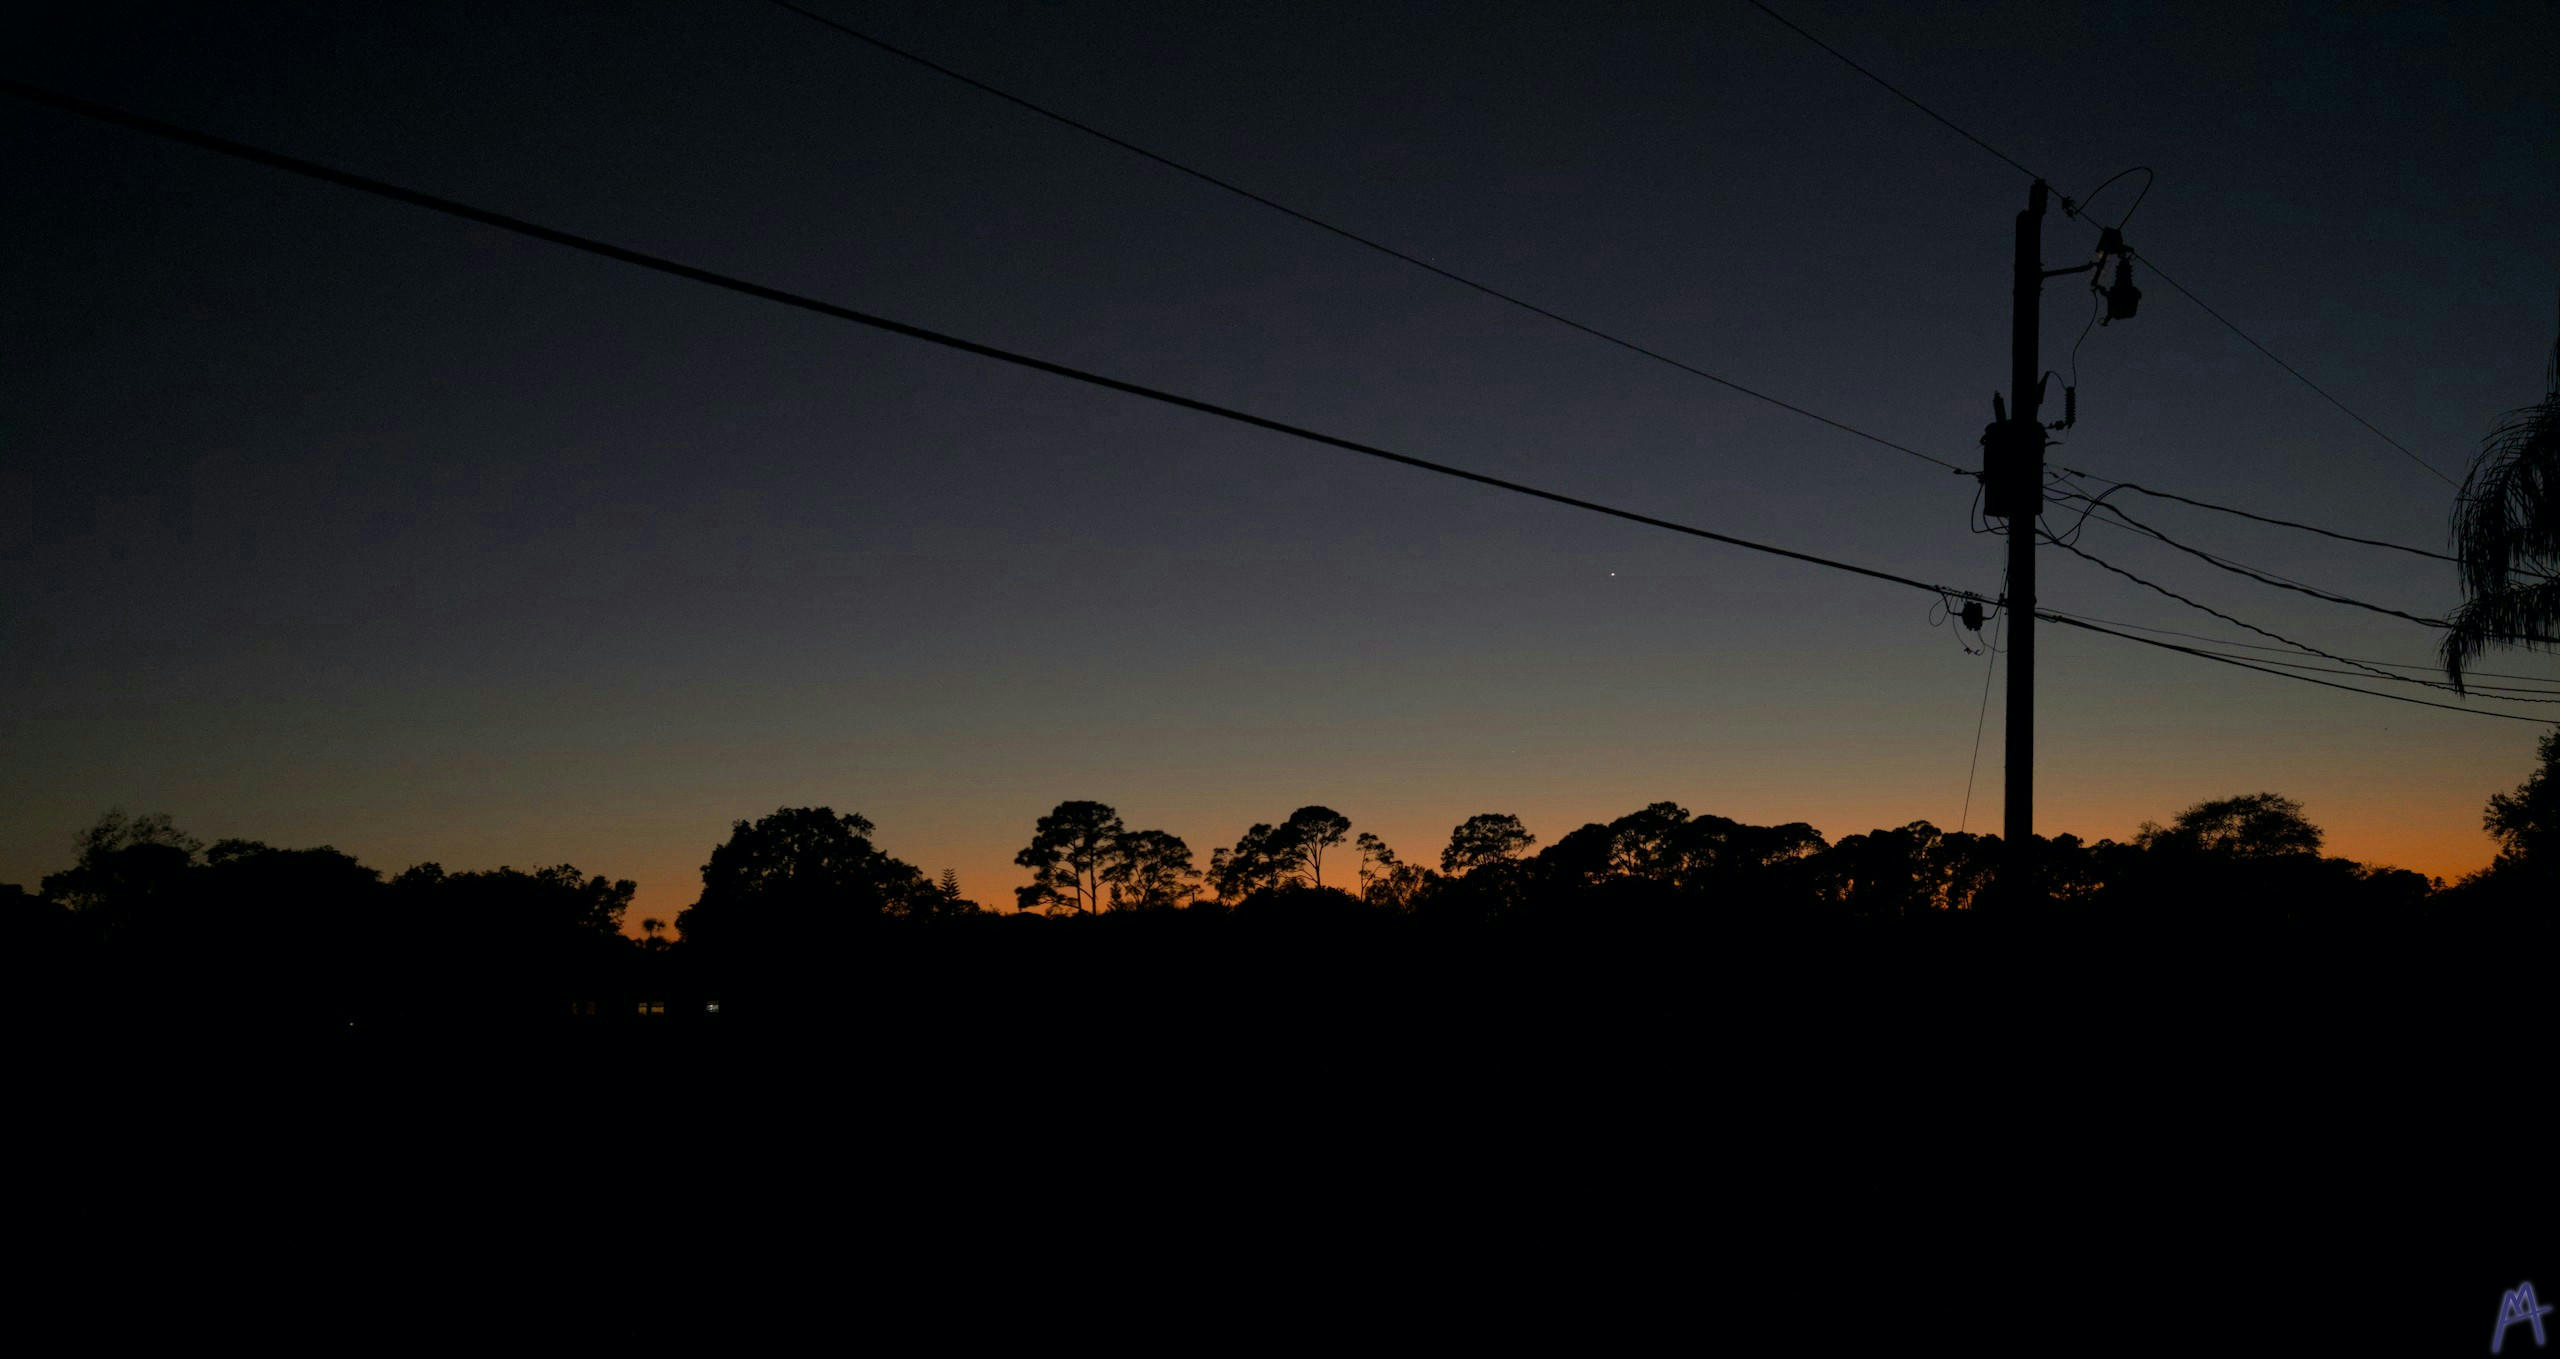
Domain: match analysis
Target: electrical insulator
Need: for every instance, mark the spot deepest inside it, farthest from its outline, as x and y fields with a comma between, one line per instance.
x=2123, y=297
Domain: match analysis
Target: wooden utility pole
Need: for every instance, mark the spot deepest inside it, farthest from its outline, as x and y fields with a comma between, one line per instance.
x=2013, y=489
x=2026, y=393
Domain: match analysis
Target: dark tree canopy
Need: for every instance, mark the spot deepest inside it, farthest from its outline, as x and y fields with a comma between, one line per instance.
x=130, y=872
x=802, y=872
x=2527, y=821
x=800, y=910
x=1301, y=841
x=1259, y=860
x=2506, y=532
x=2251, y=826
x=1486, y=837
x=1910, y=872
x=502, y=906
x=1655, y=842
x=1150, y=870
x=1070, y=851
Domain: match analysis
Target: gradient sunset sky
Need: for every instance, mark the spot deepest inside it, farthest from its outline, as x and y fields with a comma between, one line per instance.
x=330, y=520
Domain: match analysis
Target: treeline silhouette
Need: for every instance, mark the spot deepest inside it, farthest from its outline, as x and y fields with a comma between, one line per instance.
x=803, y=919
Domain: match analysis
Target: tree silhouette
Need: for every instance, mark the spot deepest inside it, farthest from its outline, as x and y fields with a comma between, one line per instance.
x=1070, y=849
x=802, y=874
x=1400, y=886
x=1487, y=837
x=130, y=875
x=2252, y=826
x=1149, y=869
x=507, y=907
x=2527, y=821
x=1654, y=843
x=2506, y=533
x=1907, y=873
x=1259, y=860
x=1301, y=841
x=1376, y=860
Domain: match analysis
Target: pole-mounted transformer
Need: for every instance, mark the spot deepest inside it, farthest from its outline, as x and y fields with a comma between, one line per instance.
x=2012, y=464
x=2013, y=489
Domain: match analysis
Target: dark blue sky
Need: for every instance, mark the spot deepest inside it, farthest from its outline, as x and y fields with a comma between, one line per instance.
x=339, y=521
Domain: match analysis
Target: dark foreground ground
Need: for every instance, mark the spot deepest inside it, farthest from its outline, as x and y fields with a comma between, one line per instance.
x=1837, y=1142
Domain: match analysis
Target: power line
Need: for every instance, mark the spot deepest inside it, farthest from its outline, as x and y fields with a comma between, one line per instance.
x=346, y=179
x=2114, y=486
x=2252, y=573
x=2072, y=209
x=2500, y=690
x=2207, y=608
x=2256, y=646
x=453, y=208
x=1904, y=95
x=1347, y=234
x=2148, y=177
x=2323, y=392
x=2305, y=679
x=2125, y=523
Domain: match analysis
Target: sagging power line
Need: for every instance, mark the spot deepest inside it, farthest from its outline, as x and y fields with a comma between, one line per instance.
x=2072, y=209
x=2097, y=504
x=2113, y=486
x=2217, y=507
x=1223, y=184
x=1346, y=233
x=2429, y=667
x=2503, y=693
x=2067, y=621
x=2200, y=607
x=519, y=226
x=660, y=264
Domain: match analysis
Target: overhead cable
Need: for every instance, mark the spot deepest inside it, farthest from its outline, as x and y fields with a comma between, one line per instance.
x=2323, y=392
x=2070, y=207
x=2263, y=578
x=1347, y=234
x=2138, y=489
x=453, y=208
x=519, y=226
x=1902, y=94
x=2501, y=691
x=2207, y=608
x=2306, y=679
x=2082, y=206
x=2430, y=667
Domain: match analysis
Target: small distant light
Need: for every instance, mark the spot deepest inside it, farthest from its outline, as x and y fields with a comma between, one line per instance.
x=711, y=1007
